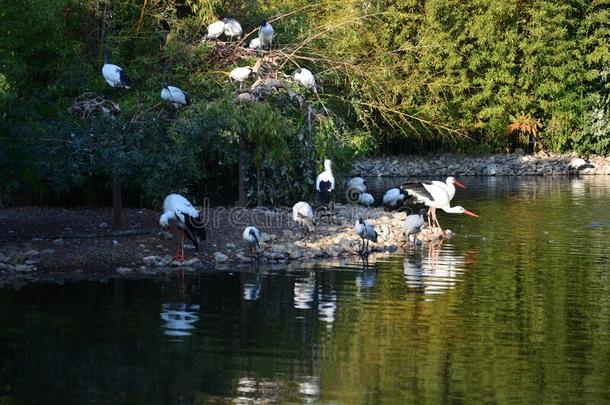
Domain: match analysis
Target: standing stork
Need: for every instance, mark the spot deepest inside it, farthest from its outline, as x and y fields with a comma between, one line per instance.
x=174, y=96
x=367, y=232
x=433, y=196
x=325, y=184
x=180, y=213
x=252, y=237
x=265, y=34
x=113, y=74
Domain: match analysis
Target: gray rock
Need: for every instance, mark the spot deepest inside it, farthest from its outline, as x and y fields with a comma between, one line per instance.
x=165, y=235
x=267, y=237
x=58, y=242
x=23, y=268
x=220, y=257
x=194, y=262
x=6, y=267
x=46, y=252
x=103, y=225
x=124, y=270
x=151, y=260
x=243, y=259
x=32, y=253
x=274, y=256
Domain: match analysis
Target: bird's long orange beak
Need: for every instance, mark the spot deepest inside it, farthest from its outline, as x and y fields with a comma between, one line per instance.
x=472, y=214
x=457, y=183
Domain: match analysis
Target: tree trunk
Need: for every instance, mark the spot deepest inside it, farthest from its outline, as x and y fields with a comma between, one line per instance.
x=117, y=204
x=243, y=167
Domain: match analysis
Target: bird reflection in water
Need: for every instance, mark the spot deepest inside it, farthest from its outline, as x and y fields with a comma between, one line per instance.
x=304, y=290
x=251, y=285
x=435, y=269
x=367, y=278
x=179, y=318
x=327, y=305
x=257, y=390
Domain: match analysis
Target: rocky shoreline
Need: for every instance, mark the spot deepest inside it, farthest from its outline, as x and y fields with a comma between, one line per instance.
x=513, y=164
x=151, y=254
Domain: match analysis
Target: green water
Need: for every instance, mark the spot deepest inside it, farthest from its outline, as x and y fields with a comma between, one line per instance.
x=515, y=308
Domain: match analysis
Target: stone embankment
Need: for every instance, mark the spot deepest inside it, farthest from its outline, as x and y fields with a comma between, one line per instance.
x=514, y=164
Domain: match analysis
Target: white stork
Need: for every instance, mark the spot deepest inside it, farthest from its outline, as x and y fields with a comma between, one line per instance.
x=265, y=34
x=180, y=213
x=325, y=184
x=433, y=196
x=114, y=75
x=174, y=96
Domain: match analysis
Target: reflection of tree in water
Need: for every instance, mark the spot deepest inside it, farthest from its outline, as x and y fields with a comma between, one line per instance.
x=435, y=269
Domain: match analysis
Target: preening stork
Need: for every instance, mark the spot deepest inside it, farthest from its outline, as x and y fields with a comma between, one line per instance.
x=433, y=196
x=174, y=96
x=113, y=74
x=178, y=212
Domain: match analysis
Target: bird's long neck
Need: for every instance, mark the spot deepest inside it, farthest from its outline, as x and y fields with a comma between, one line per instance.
x=452, y=210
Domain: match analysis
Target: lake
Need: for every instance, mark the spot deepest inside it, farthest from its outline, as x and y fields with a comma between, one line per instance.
x=514, y=308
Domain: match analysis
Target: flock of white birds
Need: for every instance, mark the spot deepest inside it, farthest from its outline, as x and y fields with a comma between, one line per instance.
x=115, y=76
x=179, y=213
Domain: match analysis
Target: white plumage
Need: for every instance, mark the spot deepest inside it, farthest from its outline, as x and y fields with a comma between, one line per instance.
x=265, y=34
x=392, y=197
x=252, y=237
x=449, y=186
x=240, y=74
x=180, y=213
x=216, y=29
x=366, y=231
x=302, y=214
x=366, y=199
x=174, y=95
x=325, y=183
x=255, y=44
x=305, y=78
x=232, y=28
x=113, y=74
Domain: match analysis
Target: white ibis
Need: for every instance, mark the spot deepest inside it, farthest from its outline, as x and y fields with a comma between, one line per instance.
x=265, y=34
x=393, y=197
x=305, y=78
x=366, y=199
x=255, y=44
x=232, y=28
x=241, y=74
x=215, y=30
x=433, y=196
x=252, y=237
x=179, y=213
x=114, y=75
x=302, y=214
x=367, y=232
x=174, y=96
x=325, y=184
x=413, y=224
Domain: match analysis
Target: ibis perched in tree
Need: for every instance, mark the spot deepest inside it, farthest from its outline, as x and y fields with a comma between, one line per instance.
x=305, y=78
x=433, y=196
x=265, y=34
x=232, y=28
x=174, y=96
x=325, y=184
x=367, y=232
x=241, y=74
x=113, y=74
x=215, y=30
x=252, y=237
x=413, y=224
x=302, y=214
x=179, y=213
